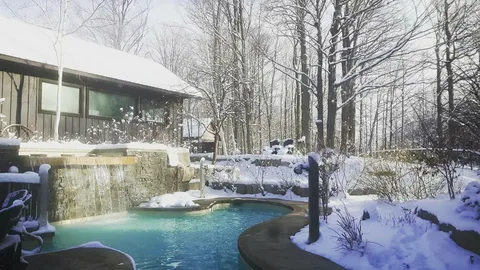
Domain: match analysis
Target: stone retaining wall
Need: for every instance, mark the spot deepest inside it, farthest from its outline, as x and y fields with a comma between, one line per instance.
x=89, y=186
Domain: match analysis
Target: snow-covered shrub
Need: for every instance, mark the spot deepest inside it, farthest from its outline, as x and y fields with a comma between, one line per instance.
x=408, y=217
x=286, y=178
x=425, y=182
x=470, y=201
x=258, y=174
x=348, y=175
x=397, y=181
x=329, y=162
x=227, y=176
x=350, y=235
x=444, y=162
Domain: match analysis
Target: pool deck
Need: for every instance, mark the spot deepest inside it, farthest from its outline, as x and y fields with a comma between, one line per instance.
x=92, y=258
x=267, y=245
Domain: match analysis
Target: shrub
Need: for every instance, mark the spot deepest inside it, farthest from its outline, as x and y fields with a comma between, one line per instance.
x=470, y=201
x=350, y=235
x=395, y=181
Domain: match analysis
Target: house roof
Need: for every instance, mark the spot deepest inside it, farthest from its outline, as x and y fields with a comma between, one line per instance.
x=36, y=44
x=195, y=128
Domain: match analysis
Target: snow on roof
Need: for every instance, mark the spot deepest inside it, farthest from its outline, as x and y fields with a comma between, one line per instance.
x=33, y=43
x=194, y=128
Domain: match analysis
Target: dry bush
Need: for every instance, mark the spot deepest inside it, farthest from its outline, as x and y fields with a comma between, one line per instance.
x=350, y=236
x=396, y=181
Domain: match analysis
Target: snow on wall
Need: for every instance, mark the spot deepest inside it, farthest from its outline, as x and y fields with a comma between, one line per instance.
x=88, y=57
x=75, y=146
x=10, y=142
x=25, y=178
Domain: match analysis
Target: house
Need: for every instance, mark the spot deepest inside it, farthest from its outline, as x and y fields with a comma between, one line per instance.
x=199, y=135
x=101, y=88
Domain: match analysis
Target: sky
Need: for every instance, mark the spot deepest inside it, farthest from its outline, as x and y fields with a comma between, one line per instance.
x=167, y=12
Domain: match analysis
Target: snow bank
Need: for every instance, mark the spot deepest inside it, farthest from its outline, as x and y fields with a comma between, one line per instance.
x=446, y=212
x=24, y=178
x=177, y=199
x=393, y=241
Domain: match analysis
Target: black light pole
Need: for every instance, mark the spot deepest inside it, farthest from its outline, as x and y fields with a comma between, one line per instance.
x=313, y=196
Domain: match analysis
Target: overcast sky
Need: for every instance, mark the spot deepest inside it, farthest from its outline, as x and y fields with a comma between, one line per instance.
x=169, y=12
x=166, y=12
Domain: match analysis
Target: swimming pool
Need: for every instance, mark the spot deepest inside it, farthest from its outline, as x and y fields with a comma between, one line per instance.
x=160, y=240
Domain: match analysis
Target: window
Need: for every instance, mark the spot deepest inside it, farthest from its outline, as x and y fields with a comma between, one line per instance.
x=70, y=98
x=110, y=105
x=153, y=111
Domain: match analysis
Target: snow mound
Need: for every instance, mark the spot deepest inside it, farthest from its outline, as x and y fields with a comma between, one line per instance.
x=470, y=201
x=177, y=199
x=392, y=241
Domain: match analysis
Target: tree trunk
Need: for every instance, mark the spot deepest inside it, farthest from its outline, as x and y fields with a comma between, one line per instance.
x=332, y=69
x=360, y=146
x=448, y=66
x=297, y=93
x=59, y=53
x=247, y=89
x=215, y=147
x=319, y=122
x=305, y=87
x=374, y=126
x=59, y=90
x=18, y=112
x=391, y=120
x=439, y=91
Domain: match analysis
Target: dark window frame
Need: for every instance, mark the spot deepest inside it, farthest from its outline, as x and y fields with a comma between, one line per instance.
x=99, y=117
x=72, y=85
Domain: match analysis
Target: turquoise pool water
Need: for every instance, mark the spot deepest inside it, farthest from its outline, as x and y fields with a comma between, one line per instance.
x=172, y=240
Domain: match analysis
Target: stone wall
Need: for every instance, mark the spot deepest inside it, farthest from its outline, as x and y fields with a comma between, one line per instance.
x=89, y=186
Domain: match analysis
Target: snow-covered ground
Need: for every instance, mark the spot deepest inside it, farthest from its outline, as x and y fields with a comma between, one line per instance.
x=395, y=239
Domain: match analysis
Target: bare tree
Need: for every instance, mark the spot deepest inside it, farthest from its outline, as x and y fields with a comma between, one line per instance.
x=172, y=48
x=120, y=24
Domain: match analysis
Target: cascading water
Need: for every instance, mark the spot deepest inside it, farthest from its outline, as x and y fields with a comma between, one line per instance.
x=118, y=187
x=101, y=175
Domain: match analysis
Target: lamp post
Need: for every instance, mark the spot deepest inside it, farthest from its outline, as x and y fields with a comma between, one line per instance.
x=313, y=196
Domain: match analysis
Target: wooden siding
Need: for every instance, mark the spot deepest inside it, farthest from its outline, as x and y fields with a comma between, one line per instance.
x=81, y=127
